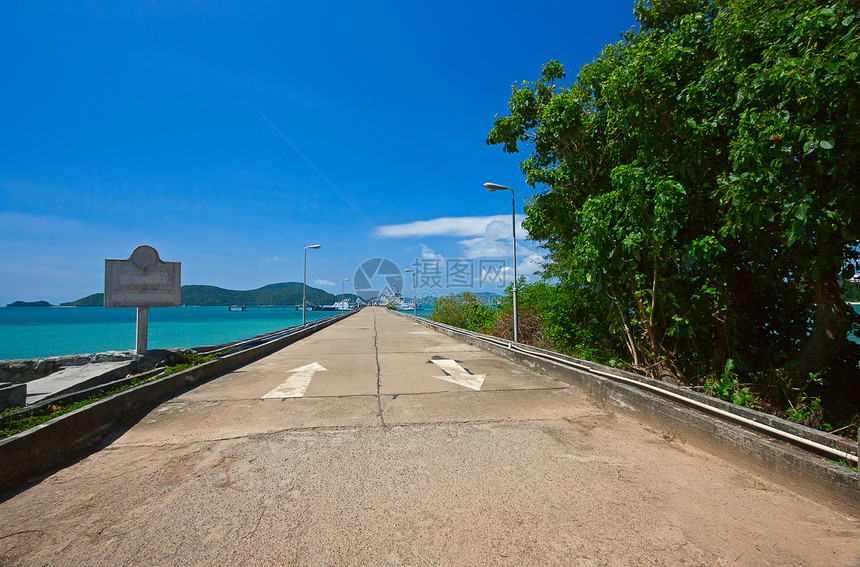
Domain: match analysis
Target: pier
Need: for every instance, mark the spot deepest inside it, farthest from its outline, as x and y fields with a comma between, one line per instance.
x=261, y=307
x=380, y=441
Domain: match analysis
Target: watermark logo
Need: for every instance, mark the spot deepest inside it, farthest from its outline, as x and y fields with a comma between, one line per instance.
x=458, y=273
x=377, y=277
x=431, y=277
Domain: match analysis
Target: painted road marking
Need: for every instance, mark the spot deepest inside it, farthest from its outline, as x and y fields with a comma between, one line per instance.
x=456, y=374
x=295, y=385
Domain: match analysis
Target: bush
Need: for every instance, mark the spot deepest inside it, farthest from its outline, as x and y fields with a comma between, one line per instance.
x=465, y=311
x=563, y=318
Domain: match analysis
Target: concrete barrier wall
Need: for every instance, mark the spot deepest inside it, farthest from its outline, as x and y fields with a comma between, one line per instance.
x=12, y=395
x=28, y=369
x=44, y=446
x=771, y=457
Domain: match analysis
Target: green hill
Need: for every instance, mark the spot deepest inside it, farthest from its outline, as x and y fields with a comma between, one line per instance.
x=287, y=293
x=94, y=300
x=29, y=304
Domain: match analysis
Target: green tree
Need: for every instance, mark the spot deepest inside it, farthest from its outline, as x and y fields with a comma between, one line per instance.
x=561, y=317
x=702, y=180
x=464, y=310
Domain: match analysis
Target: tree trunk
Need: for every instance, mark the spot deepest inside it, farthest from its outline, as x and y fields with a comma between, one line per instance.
x=662, y=365
x=628, y=336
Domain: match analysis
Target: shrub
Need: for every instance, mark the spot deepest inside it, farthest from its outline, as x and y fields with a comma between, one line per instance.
x=465, y=311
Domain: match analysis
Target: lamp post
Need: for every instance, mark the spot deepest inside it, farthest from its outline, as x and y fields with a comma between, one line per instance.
x=305, y=278
x=341, y=293
x=495, y=187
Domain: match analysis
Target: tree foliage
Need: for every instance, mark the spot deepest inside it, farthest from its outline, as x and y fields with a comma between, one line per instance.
x=702, y=179
x=557, y=317
x=464, y=310
x=851, y=291
x=561, y=317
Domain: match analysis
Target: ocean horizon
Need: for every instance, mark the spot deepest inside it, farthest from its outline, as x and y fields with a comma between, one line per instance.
x=39, y=332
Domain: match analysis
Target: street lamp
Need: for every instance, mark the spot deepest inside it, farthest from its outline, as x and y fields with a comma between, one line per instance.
x=495, y=187
x=341, y=293
x=305, y=278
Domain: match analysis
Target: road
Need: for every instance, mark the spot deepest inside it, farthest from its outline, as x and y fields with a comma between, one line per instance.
x=380, y=442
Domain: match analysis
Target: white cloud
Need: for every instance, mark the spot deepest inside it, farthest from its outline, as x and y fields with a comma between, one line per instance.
x=428, y=254
x=501, y=228
x=530, y=264
x=451, y=226
x=324, y=283
x=495, y=241
x=489, y=237
x=483, y=247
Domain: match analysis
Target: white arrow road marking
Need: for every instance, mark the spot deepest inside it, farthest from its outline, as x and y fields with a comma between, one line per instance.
x=456, y=374
x=295, y=385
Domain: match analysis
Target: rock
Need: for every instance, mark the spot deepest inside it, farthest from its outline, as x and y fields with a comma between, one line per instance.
x=20, y=371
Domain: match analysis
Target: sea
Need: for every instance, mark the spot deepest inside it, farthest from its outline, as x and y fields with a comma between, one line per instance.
x=37, y=332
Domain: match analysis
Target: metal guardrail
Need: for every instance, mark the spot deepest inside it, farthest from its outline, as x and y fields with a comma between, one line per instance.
x=266, y=337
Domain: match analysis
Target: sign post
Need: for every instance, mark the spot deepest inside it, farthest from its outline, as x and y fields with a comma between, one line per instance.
x=140, y=343
x=142, y=281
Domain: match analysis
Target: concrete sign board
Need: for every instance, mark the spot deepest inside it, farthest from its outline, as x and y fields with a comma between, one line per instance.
x=142, y=281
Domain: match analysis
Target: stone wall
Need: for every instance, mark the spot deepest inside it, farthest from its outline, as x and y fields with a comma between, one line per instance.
x=25, y=370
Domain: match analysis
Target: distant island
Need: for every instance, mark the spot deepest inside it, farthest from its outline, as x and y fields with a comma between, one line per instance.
x=287, y=293
x=29, y=304
x=290, y=293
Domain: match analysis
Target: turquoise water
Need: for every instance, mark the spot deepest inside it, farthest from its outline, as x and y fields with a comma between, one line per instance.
x=34, y=332
x=855, y=338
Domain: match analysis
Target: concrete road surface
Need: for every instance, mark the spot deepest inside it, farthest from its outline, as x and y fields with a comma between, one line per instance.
x=379, y=442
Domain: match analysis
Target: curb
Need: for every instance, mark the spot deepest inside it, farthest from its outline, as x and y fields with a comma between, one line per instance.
x=45, y=446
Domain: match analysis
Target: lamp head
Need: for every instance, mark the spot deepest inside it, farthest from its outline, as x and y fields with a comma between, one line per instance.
x=496, y=187
x=314, y=246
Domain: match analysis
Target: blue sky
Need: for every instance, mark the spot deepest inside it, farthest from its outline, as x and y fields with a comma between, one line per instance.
x=229, y=136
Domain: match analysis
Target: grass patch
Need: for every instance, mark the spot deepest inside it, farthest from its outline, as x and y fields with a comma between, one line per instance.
x=194, y=361
x=9, y=410
x=20, y=424
x=52, y=411
x=846, y=464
